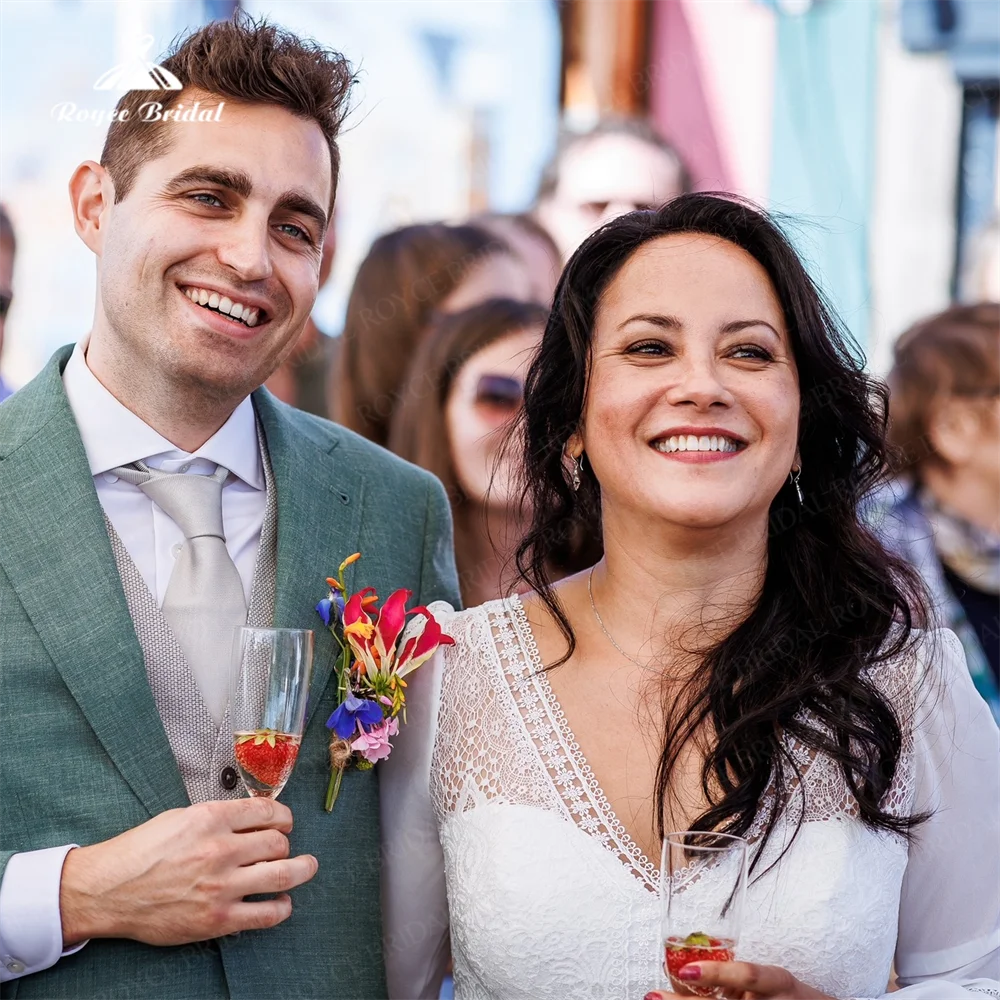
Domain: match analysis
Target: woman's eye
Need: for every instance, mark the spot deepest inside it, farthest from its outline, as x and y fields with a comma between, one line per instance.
x=207, y=199
x=752, y=352
x=649, y=348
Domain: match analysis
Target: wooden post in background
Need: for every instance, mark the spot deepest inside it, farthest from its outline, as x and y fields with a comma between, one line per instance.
x=605, y=59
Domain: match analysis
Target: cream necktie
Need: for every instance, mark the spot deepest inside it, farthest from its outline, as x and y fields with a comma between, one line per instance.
x=204, y=603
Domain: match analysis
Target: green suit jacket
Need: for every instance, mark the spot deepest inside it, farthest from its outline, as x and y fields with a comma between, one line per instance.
x=84, y=754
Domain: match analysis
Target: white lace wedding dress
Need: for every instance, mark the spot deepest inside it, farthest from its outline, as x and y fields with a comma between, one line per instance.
x=487, y=795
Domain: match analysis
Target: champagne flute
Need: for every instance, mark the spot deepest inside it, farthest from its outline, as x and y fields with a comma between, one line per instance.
x=703, y=879
x=270, y=686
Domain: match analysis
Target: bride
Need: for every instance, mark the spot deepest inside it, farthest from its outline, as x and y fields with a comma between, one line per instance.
x=742, y=659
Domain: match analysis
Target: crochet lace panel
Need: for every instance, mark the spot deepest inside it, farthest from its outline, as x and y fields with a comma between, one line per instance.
x=503, y=738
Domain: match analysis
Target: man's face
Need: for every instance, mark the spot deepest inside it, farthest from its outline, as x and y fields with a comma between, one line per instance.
x=233, y=214
x=6, y=280
x=602, y=178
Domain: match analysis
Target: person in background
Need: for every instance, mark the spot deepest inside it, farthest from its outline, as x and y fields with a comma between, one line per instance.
x=619, y=166
x=304, y=375
x=981, y=273
x=943, y=513
x=533, y=244
x=464, y=388
x=409, y=275
x=8, y=244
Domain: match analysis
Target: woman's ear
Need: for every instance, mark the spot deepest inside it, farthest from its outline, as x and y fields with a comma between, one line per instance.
x=574, y=445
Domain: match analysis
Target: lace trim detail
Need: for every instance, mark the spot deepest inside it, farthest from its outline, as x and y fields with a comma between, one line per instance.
x=583, y=797
x=513, y=744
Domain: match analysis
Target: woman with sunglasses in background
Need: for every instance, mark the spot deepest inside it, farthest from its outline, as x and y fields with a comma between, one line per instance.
x=465, y=386
x=409, y=276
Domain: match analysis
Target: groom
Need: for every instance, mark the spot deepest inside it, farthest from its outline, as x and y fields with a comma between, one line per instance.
x=131, y=864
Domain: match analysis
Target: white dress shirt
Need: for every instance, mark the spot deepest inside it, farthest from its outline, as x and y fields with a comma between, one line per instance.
x=30, y=921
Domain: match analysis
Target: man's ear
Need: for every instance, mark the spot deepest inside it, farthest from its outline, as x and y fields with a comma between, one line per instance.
x=91, y=194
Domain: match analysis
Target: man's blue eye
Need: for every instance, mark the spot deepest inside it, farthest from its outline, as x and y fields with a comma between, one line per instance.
x=299, y=234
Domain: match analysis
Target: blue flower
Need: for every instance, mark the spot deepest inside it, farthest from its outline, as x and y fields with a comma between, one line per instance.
x=354, y=710
x=331, y=609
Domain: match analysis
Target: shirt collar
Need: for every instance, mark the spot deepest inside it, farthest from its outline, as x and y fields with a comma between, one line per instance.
x=113, y=435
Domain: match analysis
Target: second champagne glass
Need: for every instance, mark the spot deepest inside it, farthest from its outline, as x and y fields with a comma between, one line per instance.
x=702, y=886
x=270, y=685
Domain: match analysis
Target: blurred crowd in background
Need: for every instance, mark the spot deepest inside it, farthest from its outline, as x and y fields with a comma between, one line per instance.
x=489, y=139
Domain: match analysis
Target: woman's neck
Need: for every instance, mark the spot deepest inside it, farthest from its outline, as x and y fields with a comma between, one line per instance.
x=671, y=586
x=489, y=539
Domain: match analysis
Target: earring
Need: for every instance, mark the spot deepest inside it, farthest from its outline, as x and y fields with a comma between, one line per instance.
x=793, y=477
x=574, y=476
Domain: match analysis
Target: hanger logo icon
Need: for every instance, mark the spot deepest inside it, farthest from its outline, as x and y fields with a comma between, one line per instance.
x=139, y=73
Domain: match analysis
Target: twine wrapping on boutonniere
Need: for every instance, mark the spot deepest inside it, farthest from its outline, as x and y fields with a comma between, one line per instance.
x=378, y=648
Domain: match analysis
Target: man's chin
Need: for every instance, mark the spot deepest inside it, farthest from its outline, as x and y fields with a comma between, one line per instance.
x=216, y=379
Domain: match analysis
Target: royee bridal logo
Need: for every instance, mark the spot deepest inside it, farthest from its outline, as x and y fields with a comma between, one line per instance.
x=138, y=74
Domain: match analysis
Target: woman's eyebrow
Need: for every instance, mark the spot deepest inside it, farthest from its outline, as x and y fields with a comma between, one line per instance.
x=745, y=324
x=655, y=319
x=666, y=322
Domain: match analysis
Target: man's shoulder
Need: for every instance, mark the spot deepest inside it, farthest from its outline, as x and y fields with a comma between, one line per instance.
x=367, y=457
x=25, y=414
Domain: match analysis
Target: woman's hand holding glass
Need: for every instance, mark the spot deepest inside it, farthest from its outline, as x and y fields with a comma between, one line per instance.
x=741, y=981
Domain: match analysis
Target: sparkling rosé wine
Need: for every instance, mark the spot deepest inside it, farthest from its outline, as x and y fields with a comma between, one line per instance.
x=695, y=947
x=265, y=758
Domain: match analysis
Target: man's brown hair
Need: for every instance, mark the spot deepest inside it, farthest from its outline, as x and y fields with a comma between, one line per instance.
x=955, y=353
x=245, y=61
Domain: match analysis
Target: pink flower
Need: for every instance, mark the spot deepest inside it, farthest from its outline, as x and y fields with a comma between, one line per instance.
x=374, y=745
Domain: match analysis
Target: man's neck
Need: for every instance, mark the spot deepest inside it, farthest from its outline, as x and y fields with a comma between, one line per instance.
x=186, y=420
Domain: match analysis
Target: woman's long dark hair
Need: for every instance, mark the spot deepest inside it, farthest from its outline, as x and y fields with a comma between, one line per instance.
x=833, y=601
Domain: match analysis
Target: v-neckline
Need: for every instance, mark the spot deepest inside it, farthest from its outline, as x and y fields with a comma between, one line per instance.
x=628, y=851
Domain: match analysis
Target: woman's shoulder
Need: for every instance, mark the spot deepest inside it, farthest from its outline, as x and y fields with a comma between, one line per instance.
x=475, y=623
x=919, y=670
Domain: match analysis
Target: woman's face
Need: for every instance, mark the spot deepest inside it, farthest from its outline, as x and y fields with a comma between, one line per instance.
x=486, y=394
x=692, y=407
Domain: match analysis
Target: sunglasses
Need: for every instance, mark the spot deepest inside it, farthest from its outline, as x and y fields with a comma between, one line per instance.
x=5, y=301
x=500, y=393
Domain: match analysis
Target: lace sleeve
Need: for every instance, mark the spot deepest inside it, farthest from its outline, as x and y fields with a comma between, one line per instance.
x=414, y=901
x=949, y=918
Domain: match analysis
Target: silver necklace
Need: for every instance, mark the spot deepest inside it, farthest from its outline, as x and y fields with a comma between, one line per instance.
x=604, y=629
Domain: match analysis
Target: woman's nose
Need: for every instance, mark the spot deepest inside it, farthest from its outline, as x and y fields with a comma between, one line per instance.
x=698, y=383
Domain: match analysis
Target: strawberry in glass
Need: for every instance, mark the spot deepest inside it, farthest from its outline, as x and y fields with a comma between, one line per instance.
x=696, y=947
x=265, y=758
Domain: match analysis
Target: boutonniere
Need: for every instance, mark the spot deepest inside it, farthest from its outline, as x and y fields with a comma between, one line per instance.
x=378, y=648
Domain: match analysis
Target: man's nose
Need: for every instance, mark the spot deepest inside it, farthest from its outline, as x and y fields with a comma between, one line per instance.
x=247, y=248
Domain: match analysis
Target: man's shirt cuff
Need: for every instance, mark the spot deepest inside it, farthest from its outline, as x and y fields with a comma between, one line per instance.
x=30, y=919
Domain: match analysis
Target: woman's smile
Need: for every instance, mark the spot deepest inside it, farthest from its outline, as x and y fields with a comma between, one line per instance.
x=698, y=444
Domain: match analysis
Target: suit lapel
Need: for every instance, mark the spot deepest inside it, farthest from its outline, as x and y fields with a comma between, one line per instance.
x=319, y=521
x=56, y=553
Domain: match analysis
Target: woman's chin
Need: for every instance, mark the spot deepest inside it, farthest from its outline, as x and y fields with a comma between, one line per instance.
x=707, y=515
